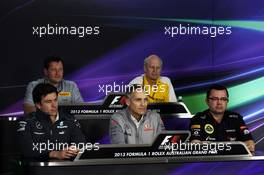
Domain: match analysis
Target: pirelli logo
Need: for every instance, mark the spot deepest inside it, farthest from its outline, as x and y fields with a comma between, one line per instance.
x=65, y=94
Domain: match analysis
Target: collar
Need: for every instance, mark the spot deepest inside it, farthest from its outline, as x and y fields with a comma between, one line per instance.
x=129, y=115
x=44, y=116
x=137, y=123
x=208, y=113
x=145, y=81
x=57, y=117
x=59, y=87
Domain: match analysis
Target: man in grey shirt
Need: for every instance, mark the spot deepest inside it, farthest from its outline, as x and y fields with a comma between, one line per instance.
x=135, y=125
x=53, y=74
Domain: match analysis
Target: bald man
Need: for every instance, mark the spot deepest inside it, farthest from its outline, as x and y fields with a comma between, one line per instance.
x=159, y=88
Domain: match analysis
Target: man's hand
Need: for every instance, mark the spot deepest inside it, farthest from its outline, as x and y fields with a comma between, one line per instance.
x=250, y=145
x=196, y=141
x=64, y=154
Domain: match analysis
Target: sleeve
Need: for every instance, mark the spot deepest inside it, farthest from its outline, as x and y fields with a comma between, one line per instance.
x=117, y=135
x=137, y=80
x=77, y=135
x=172, y=95
x=196, y=129
x=77, y=97
x=161, y=126
x=28, y=148
x=28, y=99
x=244, y=133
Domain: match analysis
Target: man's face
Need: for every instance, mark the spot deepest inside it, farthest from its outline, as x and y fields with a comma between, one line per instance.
x=137, y=103
x=217, y=101
x=49, y=104
x=55, y=72
x=153, y=69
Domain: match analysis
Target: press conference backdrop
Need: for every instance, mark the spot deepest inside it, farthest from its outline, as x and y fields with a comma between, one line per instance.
x=105, y=42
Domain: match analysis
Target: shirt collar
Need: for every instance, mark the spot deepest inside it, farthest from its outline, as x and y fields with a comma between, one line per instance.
x=145, y=81
x=57, y=117
x=60, y=85
x=135, y=120
x=44, y=116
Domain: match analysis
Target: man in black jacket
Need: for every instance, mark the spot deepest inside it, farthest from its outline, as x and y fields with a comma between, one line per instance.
x=48, y=133
x=218, y=124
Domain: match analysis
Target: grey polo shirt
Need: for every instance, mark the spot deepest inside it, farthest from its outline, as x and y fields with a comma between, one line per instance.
x=68, y=92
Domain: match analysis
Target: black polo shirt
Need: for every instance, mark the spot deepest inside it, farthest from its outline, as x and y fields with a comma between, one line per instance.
x=232, y=127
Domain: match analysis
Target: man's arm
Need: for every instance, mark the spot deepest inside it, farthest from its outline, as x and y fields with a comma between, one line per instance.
x=195, y=129
x=245, y=135
x=115, y=130
x=172, y=95
x=77, y=136
x=27, y=146
x=161, y=126
x=28, y=104
x=28, y=108
x=77, y=97
x=137, y=80
x=64, y=154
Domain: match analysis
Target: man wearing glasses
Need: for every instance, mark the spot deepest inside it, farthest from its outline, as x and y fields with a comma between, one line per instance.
x=218, y=124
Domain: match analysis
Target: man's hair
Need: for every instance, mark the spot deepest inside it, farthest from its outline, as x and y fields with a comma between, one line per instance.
x=50, y=59
x=146, y=60
x=132, y=88
x=216, y=87
x=41, y=90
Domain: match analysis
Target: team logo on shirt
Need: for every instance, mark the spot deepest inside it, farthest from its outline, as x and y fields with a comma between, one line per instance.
x=246, y=131
x=209, y=129
x=196, y=126
x=22, y=126
x=38, y=125
x=147, y=127
x=61, y=125
x=65, y=94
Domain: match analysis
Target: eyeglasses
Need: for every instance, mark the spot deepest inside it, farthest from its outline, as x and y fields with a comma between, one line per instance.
x=224, y=99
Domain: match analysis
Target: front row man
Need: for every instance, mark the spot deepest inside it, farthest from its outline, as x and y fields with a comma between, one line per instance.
x=135, y=125
x=48, y=133
x=218, y=124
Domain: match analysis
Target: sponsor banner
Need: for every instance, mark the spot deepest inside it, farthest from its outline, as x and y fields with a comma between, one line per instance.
x=168, y=144
x=115, y=102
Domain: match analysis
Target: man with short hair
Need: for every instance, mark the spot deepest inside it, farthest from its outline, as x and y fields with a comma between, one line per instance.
x=159, y=88
x=135, y=125
x=53, y=71
x=218, y=124
x=48, y=133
